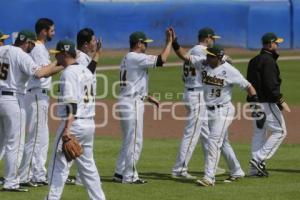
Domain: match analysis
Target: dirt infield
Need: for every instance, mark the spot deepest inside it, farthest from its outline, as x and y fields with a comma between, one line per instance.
x=163, y=125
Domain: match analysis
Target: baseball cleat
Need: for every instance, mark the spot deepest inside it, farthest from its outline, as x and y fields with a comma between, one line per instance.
x=71, y=180
x=117, y=178
x=138, y=182
x=19, y=189
x=232, y=179
x=29, y=184
x=42, y=183
x=220, y=171
x=184, y=175
x=1, y=180
x=205, y=183
x=260, y=166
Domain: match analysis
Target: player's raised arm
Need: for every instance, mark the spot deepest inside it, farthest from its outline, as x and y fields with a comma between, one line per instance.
x=182, y=53
x=162, y=58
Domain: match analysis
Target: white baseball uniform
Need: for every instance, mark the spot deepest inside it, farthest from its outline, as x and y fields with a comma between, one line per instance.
x=76, y=87
x=84, y=59
x=37, y=101
x=133, y=90
x=218, y=83
x=16, y=67
x=197, y=123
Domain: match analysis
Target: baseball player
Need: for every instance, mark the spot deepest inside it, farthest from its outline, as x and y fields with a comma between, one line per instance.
x=196, y=124
x=218, y=78
x=133, y=92
x=32, y=170
x=88, y=52
x=76, y=109
x=16, y=68
x=264, y=74
x=3, y=37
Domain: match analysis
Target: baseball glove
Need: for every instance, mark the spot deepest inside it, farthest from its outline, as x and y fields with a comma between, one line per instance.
x=71, y=147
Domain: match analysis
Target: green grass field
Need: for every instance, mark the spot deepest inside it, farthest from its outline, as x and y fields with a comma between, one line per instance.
x=155, y=165
x=158, y=156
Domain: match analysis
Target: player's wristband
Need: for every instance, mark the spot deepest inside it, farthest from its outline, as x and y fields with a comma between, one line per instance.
x=175, y=45
x=253, y=98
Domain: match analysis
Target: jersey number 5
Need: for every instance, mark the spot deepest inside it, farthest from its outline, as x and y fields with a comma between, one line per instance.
x=3, y=71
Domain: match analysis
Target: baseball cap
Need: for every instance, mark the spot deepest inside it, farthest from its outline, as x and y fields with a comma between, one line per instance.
x=3, y=36
x=26, y=35
x=271, y=37
x=64, y=46
x=139, y=36
x=215, y=50
x=207, y=32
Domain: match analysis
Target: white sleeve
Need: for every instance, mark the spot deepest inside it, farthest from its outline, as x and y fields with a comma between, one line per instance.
x=82, y=60
x=39, y=58
x=238, y=79
x=27, y=65
x=70, y=89
x=146, y=61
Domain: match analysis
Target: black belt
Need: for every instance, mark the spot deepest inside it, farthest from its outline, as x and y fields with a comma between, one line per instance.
x=7, y=93
x=44, y=91
x=190, y=89
x=83, y=118
x=214, y=107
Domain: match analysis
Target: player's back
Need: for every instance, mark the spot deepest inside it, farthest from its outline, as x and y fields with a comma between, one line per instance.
x=76, y=86
x=16, y=69
x=191, y=74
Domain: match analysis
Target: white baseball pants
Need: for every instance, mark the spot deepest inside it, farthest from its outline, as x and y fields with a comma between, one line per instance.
x=219, y=120
x=59, y=168
x=37, y=140
x=12, y=122
x=131, y=113
x=263, y=147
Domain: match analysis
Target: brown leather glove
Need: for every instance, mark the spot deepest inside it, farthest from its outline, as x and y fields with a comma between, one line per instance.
x=71, y=147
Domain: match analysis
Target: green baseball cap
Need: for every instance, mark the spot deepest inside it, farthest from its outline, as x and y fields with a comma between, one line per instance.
x=3, y=36
x=26, y=35
x=207, y=32
x=139, y=36
x=271, y=37
x=216, y=50
x=64, y=46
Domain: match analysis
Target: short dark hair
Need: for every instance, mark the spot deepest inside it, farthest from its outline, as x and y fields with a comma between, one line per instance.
x=43, y=23
x=83, y=36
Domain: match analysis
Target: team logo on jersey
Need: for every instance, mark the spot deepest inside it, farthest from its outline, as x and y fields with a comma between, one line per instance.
x=211, y=80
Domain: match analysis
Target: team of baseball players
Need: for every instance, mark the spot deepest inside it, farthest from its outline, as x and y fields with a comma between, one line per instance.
x=208, y=75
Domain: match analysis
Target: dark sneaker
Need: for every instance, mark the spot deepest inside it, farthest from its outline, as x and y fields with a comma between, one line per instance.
x=42, y=183
x=117, y=178
x=260, y=166
x=232, y=179
x=139, y=181
x=1, y=180
x=29, y=184
x=20, y=189
x=71, y=180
